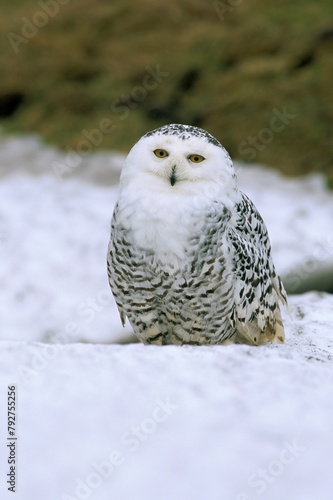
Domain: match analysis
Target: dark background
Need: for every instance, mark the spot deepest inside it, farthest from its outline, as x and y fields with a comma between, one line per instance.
x=105, y=72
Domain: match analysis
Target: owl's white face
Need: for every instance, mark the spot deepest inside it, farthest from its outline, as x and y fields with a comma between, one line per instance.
x=171, y=179
x=179, y=158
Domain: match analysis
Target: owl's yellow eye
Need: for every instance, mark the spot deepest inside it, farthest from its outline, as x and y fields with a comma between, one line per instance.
x=196, y=158
x=161, y=153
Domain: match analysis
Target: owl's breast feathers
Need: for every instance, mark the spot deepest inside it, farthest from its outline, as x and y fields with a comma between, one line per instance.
x=224, y=286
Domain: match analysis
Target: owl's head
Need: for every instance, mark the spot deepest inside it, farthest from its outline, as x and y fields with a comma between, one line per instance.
x=179, y=158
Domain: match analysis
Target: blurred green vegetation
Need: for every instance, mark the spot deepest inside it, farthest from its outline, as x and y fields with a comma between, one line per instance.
x=229, y=66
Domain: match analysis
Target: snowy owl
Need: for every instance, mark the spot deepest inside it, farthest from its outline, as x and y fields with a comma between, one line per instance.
x=189, y=259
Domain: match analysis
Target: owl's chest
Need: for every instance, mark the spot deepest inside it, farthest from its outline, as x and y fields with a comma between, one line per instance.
x=195, y=285
x=180, y=278
x=174, y=249
x=167, y=231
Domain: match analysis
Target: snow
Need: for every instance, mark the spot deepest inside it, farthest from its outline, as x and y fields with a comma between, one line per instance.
x=232, y=422
x=53, y=260
x=100, y=420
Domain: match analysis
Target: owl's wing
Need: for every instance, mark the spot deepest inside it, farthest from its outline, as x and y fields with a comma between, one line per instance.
x=114, y=266
x=257, y=288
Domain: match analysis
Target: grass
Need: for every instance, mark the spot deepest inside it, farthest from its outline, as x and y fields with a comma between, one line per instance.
x=224, y=67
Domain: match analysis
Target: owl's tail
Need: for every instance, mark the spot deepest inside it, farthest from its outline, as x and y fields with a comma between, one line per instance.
x=274, y=332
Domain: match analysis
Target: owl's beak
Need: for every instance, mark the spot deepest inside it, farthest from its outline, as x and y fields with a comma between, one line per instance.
x=173, y=177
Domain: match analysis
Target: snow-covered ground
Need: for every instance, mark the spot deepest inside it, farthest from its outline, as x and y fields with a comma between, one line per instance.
x=105, y=421
x=141, y=422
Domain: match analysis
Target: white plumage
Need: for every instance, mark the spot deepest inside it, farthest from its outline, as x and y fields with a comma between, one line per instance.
x=189, y=260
